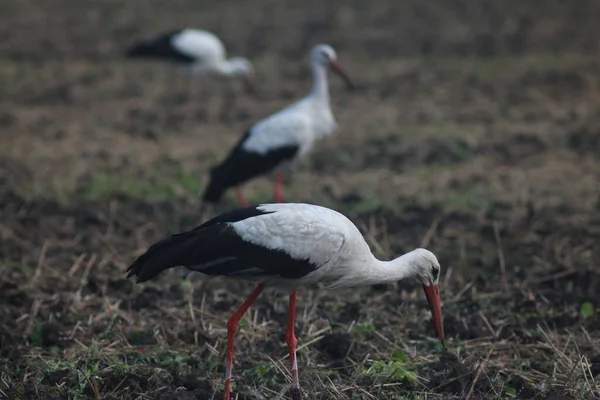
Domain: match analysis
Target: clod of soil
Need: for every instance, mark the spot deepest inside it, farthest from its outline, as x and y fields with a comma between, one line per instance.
x=335, y=346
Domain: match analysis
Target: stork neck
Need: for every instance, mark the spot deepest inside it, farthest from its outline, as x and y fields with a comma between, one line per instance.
x=388, y=271
x=320, y=89
x=225, y=68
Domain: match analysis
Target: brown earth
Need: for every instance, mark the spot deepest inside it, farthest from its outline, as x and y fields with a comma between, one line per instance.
x=475, y=132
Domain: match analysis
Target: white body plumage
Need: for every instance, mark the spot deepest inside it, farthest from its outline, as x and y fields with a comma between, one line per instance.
x=302, y=123
x=324, y=237
x=299, y=124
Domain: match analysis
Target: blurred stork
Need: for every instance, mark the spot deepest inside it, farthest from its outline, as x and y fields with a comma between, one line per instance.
x=281, y=139
x=197, y=52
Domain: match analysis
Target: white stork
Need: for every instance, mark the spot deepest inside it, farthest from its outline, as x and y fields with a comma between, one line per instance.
x=198, y=52
x=282, y=138
x=286, y=245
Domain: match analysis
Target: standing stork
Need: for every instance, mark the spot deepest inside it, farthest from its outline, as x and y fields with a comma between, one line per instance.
x=282, y=138
x=198, y=52
x=286, y=246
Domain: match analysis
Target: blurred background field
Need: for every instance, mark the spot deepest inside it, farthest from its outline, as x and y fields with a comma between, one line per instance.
x=475, y=131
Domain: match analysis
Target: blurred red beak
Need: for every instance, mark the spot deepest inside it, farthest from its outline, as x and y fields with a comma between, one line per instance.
x=338, y=70
x=433, y=298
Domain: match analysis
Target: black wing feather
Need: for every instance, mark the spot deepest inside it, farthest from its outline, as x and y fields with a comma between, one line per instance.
x=214, y=248
x=241, y=165
x=160, y=47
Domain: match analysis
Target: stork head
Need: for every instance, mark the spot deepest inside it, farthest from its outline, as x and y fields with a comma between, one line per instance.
x=239, y=66
x=325, y=55
x=425, y=268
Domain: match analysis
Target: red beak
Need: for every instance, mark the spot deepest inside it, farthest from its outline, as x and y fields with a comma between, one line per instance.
x=338, y=70
x=433, y=298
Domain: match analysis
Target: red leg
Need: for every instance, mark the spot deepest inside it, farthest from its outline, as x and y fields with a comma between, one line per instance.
x=241, y=197
x=232, y=327
x=291, y=340
x=279, y=188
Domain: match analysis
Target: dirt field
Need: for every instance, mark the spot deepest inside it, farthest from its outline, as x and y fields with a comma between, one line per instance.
x=475, y=132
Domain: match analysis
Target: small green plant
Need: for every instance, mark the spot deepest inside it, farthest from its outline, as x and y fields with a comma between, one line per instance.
x=39, y=335
x=191, y=183
x=258, y=370
x=110, y=335
x=399, y=355
x=334, y=305
x=136, y=337
x=176, y=360
x=243, y=324
x=438, y=346
x=587, y=310
x=511, y=391
x=54, y=365
x=395, y=368
x=362, y=328
x=370, y=203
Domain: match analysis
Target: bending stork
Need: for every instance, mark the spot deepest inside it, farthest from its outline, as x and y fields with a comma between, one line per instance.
x=287, y=246
x=198, y=52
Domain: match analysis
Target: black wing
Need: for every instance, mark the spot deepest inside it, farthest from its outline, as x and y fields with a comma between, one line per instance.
x=160, y=47
x=214, y=248
x=241, y=165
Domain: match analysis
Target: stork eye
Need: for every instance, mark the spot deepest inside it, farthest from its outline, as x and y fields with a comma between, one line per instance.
x=435, y=272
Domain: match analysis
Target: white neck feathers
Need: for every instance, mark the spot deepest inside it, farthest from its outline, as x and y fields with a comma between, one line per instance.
x=320, y=89
x=371, y=271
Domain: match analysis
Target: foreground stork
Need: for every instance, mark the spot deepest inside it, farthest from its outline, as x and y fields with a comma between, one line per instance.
x=281, y=139
x=198, y=52
x=287, y=246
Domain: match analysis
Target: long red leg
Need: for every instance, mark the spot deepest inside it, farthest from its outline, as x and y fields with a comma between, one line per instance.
x=232, y=327
x=241, y=197
x=279, y=188
x=291, y=340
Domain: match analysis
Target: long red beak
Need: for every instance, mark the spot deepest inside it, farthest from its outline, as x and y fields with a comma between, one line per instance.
x=338, y=70
x=433, y=298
